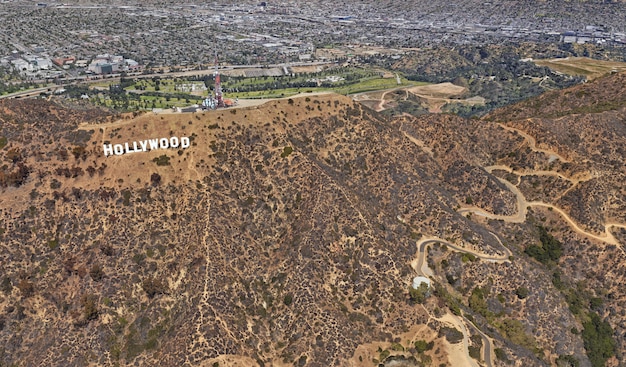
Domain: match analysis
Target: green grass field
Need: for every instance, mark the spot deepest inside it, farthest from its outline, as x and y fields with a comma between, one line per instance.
x=172, y=92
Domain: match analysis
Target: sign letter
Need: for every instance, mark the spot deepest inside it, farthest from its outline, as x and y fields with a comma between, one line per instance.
x=108, y=149
x=184, y=142
x=118, y=149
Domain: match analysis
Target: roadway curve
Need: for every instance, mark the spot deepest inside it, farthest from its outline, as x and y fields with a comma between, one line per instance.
x=420, y=265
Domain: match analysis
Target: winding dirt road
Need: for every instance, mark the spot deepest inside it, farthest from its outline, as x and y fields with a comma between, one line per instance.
x=420, y=264
x=523, y=205
x=532, y=143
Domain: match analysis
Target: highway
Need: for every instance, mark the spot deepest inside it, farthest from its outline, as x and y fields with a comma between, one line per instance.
x=169, y=74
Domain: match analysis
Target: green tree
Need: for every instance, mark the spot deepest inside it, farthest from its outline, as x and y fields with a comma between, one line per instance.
x=477, y=301
x=286, y=151
x=420, y=294
x=550, y=249
x=421, y=346
x=598, y=339
x=501, y=354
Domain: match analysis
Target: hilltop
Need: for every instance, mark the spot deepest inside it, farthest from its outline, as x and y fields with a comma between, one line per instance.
x=290, y=233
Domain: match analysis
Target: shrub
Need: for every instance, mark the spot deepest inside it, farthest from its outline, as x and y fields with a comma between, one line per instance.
x=288, y=299
x=451, y=334
x=567, y=361
x=153, y=286
x=79, y=152
x=384, y=354
x=521, y=292
x=96, y=273
x=126, y=196
x=53, y=243
x=90, y=307
x=54, y=184
x=501, y=354
x=162, y=160
x=6, y=285
x=155, y=179
x=26, y=287
x=286, y=151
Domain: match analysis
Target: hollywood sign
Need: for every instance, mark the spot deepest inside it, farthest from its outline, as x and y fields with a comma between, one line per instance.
x=146, y=145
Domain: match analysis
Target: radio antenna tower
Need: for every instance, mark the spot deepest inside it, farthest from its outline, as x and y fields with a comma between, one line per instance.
x=218, y=86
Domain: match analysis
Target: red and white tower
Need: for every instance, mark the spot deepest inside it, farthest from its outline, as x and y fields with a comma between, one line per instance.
x=219, y=100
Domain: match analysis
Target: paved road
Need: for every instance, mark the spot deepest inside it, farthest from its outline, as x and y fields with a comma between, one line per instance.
x=29, y=93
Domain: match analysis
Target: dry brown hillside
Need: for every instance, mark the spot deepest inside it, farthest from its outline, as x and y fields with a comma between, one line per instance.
x=288, y=233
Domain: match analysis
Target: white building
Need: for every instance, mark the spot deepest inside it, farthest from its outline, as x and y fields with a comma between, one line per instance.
x=417, y=282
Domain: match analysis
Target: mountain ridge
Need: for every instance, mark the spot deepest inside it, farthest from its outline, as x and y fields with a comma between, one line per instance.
x=285, y=235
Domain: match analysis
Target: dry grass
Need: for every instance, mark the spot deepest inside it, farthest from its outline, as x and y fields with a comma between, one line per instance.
x=585, y=66
x=435, y=96
x=441, y=90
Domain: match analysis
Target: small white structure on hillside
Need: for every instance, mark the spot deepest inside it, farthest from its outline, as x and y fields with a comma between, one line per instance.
x=417, y=281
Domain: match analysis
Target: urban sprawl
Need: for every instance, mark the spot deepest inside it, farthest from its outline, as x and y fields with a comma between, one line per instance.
x=48, y=40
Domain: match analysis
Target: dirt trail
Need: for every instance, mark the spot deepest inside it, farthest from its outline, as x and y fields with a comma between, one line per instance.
x=460, y=351
x=420, y=265
x=607, y=237
x=381, y=103
x=532, y=143
x=523, y=205
x=419, y=143
x=574, y=181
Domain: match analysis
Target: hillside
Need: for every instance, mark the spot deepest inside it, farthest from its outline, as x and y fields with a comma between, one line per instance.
x=290, y=234
x=498, y=75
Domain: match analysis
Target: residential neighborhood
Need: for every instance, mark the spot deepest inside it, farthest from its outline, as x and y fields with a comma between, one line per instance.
x=55, y=39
